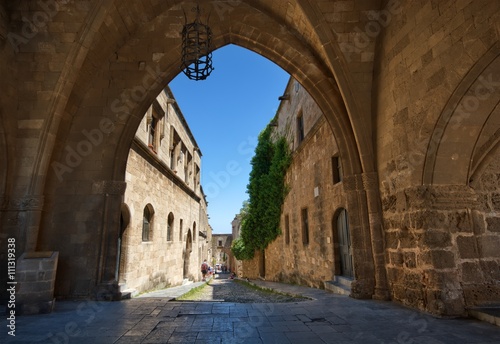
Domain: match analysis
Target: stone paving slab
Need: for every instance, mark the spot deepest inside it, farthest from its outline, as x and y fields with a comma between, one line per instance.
x=326, y=318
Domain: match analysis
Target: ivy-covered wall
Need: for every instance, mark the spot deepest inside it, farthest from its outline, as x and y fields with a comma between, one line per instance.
x=309, y=185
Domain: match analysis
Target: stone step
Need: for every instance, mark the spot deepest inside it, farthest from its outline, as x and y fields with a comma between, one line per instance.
x=128, y=294
x=343, y=281
x=186, y=281
x=340, y=285
x=489, y=314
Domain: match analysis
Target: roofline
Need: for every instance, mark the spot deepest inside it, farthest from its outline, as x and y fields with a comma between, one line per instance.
x=169, y=94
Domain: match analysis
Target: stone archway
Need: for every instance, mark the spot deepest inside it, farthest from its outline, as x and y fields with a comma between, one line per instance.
x=473, y=108
x=123, y=60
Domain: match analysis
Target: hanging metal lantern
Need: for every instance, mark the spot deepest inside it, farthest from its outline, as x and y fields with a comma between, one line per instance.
x=196, y=49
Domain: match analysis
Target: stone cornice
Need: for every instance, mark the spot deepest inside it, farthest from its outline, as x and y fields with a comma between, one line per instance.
x=438, y=197
x=110, y=187
x=26, y=203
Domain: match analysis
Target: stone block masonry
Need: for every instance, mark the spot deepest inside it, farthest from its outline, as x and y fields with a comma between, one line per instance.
x=36, y=276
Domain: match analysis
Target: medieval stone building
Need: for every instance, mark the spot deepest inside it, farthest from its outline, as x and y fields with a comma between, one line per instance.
x=314, y=247
x=163, y=241
x=409, y=89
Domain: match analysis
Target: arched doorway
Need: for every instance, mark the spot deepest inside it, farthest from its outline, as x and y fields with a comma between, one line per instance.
x=187, y=254
x=342, y=247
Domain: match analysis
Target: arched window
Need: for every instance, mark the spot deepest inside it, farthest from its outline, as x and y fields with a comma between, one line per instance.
x=170, y=227
x=147, y=223
x=194, y=231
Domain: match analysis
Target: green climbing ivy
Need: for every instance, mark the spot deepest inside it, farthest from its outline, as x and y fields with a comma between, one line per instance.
x=260, y=215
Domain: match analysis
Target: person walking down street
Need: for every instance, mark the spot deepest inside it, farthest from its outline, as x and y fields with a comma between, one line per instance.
x=204, y=269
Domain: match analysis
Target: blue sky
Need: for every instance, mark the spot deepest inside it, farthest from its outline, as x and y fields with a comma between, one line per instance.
x=226, y=112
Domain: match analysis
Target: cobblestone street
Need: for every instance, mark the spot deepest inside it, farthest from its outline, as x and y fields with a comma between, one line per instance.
x=221, y=288
x=324, y=318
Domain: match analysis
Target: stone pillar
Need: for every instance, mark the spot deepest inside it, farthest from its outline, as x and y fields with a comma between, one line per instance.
x=374, y=207
x=365, y=222
x=107, y=288
x=24, y=213
x=364, y=279
x=452, y=204
x=430, y=233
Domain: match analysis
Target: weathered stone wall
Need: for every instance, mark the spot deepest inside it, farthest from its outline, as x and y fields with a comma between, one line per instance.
x=158, y=262
x=413, y=83
x=162, y=261
x=423, y=227
x=310, y=183
x=440, y=254
x=250, y=268
x=479, y=251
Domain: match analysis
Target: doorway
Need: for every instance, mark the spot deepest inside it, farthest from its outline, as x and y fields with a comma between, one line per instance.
x=344, y=255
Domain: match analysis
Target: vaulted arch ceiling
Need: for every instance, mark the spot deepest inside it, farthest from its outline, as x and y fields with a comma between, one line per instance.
x=466, y=133
x=127, y=39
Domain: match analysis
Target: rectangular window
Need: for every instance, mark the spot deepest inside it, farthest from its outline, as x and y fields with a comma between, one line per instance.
x=155, y=126
x=336, y=170
x=287, y=229
x=305, y=227
x=169, y=232
x=145, y=230
x=300, y=128
x=220, y=242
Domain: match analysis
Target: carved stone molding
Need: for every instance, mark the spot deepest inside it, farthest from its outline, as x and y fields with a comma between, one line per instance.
x=360, y=182
x=353, y=183
x=442, y=197
x=110, y=187
x=370, y=180
x=27, y=203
